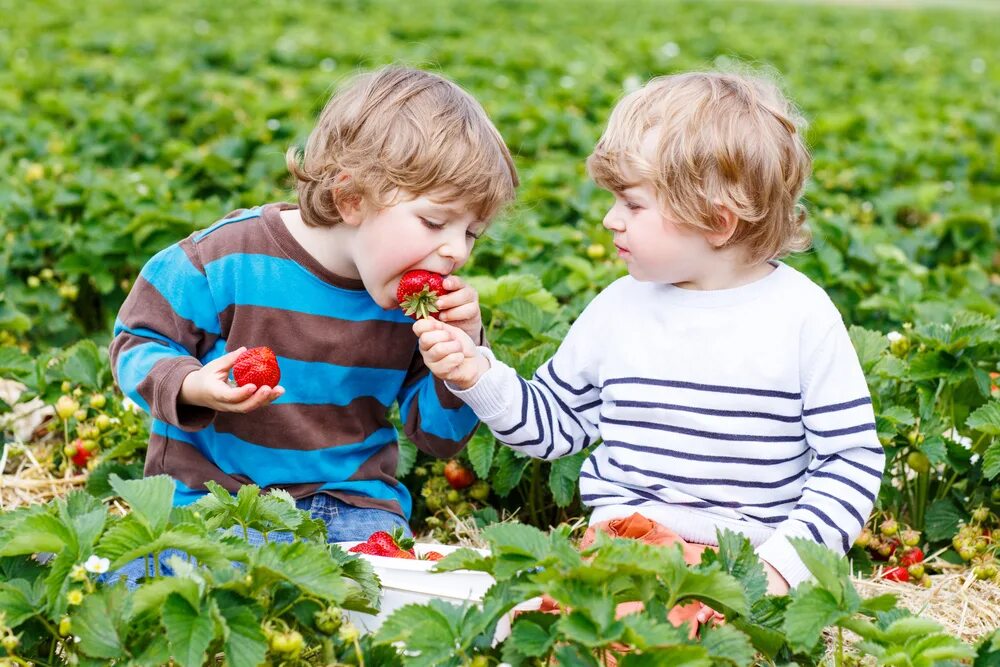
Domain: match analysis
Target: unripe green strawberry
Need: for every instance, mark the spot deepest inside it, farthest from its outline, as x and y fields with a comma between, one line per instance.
x=864, y=539
x=918, y=462
x=102, y=422
x=98, y=401
x=65, y=407
x=480, y=490
x=981, y=514
x=910, y=538
x=966, y=552
x=10, y=643
x=889, y=527
x=916, y=571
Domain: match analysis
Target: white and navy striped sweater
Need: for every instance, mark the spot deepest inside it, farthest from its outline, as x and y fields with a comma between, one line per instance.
x=742, y=408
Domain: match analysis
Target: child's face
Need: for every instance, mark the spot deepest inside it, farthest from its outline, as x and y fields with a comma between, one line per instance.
x=413, y=234
x=655, y=247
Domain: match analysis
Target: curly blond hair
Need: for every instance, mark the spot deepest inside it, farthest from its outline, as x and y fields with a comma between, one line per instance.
x=401, y=131
x=722, y=139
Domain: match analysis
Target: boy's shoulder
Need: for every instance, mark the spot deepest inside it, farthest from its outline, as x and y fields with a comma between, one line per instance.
x=231, y=218
x=246, y=231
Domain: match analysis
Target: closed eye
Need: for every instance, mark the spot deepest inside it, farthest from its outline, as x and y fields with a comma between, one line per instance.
x=432, y=225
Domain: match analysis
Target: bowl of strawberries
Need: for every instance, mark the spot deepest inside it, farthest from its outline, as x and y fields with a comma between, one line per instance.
x=405, y=570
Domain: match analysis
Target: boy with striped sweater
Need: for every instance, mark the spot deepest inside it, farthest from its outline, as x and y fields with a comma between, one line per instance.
x=721, y=383
x=403, y=171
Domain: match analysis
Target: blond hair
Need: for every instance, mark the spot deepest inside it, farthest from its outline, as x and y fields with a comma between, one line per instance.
x=722, y=139
x=400, y=129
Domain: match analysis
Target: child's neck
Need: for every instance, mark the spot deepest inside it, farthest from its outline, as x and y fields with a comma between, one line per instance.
x=327, y=245
x=730, y=270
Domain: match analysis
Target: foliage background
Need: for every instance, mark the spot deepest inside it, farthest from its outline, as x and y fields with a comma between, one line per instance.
x=126, y=125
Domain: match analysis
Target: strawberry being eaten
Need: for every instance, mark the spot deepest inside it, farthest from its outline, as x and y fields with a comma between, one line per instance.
x=418, y=293
x=381, y=543
x=257, y=366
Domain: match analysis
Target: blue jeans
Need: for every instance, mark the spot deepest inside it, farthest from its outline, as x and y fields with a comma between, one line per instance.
x=344, y=523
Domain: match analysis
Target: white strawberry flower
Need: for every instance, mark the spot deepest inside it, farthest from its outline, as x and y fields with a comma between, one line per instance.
x=893, y=336
x=96, y=564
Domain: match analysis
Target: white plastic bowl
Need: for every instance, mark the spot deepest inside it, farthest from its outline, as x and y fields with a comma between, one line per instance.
x=406, y=581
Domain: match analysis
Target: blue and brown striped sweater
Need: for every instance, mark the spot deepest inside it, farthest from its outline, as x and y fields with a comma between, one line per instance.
x=344, y=362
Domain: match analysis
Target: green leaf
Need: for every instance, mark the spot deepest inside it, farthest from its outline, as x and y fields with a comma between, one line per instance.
x=517, y=539
x=83, y=364
x=727, y=643
x=407, y=457
x=151, y=596
x=910, y=627
x=150, y=498
x=188, y=630
x=243, y=640
x=830, y=570
x=986, y=419
x=812, y=609
x=880, y=603
x=991, y=460
x=674, y=656
x=942, y=519
x=531, y=639
x=510, y=468
x=19, y=601
x=428, y=629
x=869, y=345
x=308, y=566
x=577, y=627
x=94, y=623
x=564, y=476
x=715, y=588
x=738, y=558
x=36, y=533
x=481, y=449
x=14, y=363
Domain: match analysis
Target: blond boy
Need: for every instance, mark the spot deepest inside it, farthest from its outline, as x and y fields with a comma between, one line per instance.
x=403, y=171
x=720, y=382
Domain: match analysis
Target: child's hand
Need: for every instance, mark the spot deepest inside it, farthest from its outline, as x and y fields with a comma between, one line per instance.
x=460, y=307
x=449, y=353
x=208, y=387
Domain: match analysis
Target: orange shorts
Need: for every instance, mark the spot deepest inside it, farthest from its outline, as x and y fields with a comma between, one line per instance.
x=638, y=527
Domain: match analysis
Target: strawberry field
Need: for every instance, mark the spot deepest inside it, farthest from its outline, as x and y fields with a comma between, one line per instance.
x=126, y=126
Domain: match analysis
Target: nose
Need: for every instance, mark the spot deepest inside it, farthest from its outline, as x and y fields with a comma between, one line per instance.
x=456, y=250
x=612, y=221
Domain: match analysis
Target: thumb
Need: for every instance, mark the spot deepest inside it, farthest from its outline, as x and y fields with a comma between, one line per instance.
x=226, y=361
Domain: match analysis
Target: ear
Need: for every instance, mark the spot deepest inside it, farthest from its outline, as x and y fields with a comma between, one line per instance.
x=348, y=206
x=727, y=227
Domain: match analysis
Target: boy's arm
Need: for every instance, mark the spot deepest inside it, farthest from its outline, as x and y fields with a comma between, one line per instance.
x=553, y=415
x=435, y=420
x=168, y=322
x=843, y=480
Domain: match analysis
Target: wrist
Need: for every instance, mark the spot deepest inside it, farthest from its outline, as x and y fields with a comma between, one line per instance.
x=189, y=390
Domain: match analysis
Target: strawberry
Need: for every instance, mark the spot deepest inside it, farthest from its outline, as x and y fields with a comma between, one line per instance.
x=367, y=548
x=911, y=556
x=896, y=574
x=257, y=366
x=404, y=554
x=383, y=541
x=79, y=453
x=433, y=555
x=458, y=476
x=418, y=292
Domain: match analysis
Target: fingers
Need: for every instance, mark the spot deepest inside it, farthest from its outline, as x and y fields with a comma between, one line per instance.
x=426, y=324
x=460, y=313
x=226, y=361
x=258, y=399
x=465, y=295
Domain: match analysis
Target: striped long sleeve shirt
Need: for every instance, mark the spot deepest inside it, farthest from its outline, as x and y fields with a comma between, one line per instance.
x=742, y=408
x=344, y=360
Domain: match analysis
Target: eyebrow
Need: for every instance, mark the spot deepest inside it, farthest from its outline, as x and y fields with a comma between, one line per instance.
x=453, y=211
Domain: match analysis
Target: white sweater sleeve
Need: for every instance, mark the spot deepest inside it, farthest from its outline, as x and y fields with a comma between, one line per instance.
x=554, y=414
x=844, y=477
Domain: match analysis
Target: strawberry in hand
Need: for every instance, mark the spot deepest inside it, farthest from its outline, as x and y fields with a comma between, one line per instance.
x=257, y=366
x=418, y=293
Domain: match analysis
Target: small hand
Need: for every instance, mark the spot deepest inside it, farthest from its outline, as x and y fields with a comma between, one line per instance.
x=209, y=387
x=460, y=307
x=449, y=353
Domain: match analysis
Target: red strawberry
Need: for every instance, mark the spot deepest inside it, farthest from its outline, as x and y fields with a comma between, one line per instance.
x=257, y=366
x=367, y=548
x=911, y=557
x=896, y=574
x=418, y=292
x=458, y=476
x=385, y=542
x=78, y=453
x=403, y=554
x=433, y=555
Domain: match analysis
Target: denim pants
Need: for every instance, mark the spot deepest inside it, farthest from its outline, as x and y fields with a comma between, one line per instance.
x=344, y=523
